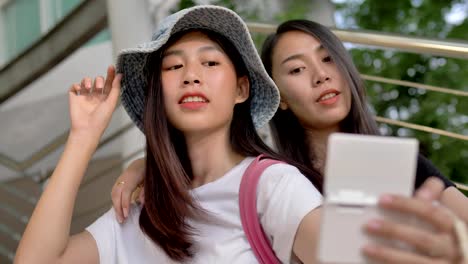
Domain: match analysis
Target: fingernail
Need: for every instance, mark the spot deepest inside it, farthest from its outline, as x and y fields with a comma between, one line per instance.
x=374, y=224
x=125, y=212
x=119, y=219
x=99, y=84
x=386, y=199
x=425, y=194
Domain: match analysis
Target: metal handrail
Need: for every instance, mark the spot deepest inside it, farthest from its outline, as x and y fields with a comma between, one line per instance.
x=12, y=234
x=453, y=48
x=7, y=253
x=104, y=142
x=18, y=193
x=49, y=148
x=421, y=128
x=13, y=212
x=461, y=186
x=414, y=85
x=112, y=166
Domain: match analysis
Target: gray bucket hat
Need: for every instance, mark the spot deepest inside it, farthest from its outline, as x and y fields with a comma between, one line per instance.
x=131, y=62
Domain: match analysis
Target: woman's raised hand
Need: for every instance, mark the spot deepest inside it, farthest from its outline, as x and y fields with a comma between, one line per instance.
x=437, y=244
x=93, y=102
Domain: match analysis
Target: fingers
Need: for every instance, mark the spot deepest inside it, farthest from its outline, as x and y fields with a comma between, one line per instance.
x=115, y=90
x=86, y=85
x=110, y=77
x=101, y=86
x=141, y=197
x=137, y=195
x=112, y=85
x=381, y=254
x=98, y=86
x=430, y=190
x=423, y=240
x=116, y=195
x=438, y=216
x=125, y=200
x=124, y=187
x=121, y=199
x=75, y=89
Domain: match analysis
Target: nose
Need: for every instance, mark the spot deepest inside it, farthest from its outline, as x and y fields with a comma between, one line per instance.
x=320, y=78
x=192, y=75
x=186, y=82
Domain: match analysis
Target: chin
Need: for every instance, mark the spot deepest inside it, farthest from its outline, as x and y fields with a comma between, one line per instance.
x=337, y=116
x=191, y=127
x=330, y=121
x=200, y=127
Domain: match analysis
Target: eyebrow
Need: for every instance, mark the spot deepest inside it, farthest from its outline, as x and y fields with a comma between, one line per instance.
x=300, y=55
x=180, y=52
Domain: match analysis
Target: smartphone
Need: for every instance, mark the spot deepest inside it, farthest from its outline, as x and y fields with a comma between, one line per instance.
x=358, y=170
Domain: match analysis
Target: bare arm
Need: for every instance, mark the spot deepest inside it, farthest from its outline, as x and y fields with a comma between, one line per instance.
x=306, y=242
x=47, y=235
x=456, y=201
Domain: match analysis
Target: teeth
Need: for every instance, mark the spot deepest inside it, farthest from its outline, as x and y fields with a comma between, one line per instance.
x=327, y=96
x=191, y=99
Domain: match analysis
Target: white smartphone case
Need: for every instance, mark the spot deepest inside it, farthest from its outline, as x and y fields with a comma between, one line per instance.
x=359, y=168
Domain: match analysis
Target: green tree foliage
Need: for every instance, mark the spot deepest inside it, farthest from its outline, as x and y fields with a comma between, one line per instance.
x=421, y=18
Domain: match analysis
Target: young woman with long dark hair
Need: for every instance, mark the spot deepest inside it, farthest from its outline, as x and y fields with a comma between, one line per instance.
x=321, y=93
x=197, y=91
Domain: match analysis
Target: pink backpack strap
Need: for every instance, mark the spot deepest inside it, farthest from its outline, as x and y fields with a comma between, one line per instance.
x=248, y=210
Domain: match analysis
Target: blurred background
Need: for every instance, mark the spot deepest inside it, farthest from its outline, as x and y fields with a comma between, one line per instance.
x=413, y=55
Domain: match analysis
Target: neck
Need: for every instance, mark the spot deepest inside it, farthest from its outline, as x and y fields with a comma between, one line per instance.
x=211, y=156
x=318, y=140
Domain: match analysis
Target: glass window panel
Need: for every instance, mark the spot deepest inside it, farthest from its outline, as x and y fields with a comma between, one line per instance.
x=22, y=25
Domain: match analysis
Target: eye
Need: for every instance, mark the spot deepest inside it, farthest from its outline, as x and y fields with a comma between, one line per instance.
x=327, y=59
x=296, y=71
x=175, y=67
x=211, y=63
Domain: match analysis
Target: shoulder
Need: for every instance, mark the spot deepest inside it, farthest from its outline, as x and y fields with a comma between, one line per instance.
x=425, y=165
x=282, y=183
x=284, y=174
x=279, y=171
x=107, y=224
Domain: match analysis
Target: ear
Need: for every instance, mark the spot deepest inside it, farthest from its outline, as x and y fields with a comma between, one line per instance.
x=243, y=88
x=283, y=105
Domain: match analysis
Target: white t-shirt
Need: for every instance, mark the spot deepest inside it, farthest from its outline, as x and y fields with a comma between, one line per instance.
x=284, y=197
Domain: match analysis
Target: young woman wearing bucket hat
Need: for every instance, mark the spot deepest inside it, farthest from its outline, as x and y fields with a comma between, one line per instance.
x=197, y=91
x=309, y=63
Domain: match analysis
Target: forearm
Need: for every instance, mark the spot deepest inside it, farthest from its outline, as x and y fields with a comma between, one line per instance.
x=456, y=201
x=47, y=233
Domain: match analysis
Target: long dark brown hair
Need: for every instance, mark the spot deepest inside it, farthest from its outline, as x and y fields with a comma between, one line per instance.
x=288, y=134
x=168, y=202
